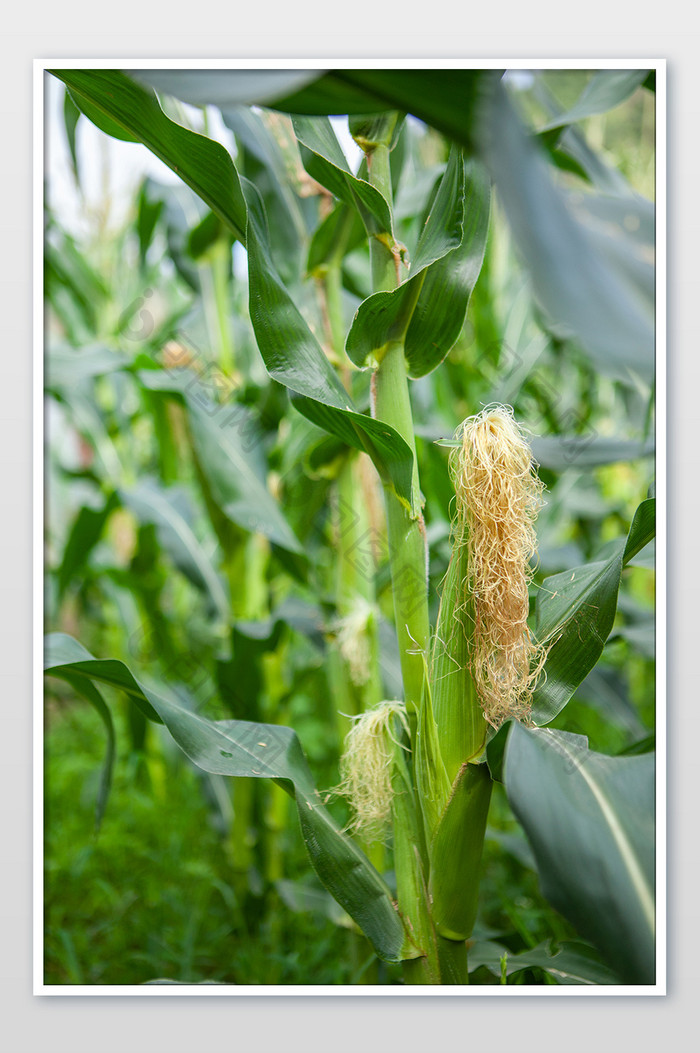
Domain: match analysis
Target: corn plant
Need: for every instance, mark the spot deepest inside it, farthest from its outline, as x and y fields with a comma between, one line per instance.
x=349, y=334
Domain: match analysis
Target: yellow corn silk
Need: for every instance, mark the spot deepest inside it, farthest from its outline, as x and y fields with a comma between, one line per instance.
x=367, y=766
x=498, y=496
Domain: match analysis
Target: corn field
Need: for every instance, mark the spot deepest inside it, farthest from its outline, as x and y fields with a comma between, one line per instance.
x=350, y=519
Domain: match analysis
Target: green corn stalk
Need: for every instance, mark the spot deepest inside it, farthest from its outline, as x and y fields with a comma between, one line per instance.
x=441, y=802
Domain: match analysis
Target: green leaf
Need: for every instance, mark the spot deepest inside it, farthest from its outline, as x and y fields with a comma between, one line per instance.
x=203, y=235
x=67, y=368
x=455, y=853
x=339, y=233
x=325, y=162
x=223, y=87
x=590, y=821
x=148, y=214
x=241, y=748
x=439, y=315
x=444, y=98
x=559, y=452
x=225, y=437
x=430, y=305
x=71, y=116
x=582, y=275
x=101, y=120
x=576, y=610
x=496, y=751
x=84, y=534
x=293, y=356
x=605, y=90
x=573, y=962
x=63, y=654
x=643, y=529
x=444, y=226
x=168, y=510
x=262, y=160
x=110, y=98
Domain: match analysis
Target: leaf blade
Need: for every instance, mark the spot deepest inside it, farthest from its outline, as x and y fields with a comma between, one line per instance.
x=200, y=162
x=243, y=748
x=590, y=821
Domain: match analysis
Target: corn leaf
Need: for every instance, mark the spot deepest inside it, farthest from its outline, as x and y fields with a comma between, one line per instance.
x=572, y=264
x=293, y=356
x=439, y=315
x=261, y=159
x=590, y=821
x=559, y=452
x=241, y=748
x=576, y=610
x=325, y=162
x=168, y=509
x=225, y=437
x=443, y=98
x=85, y=532
x=224, y=87
x=605, y=90
x=572, y=962
x=115, y=102
x=430, y=305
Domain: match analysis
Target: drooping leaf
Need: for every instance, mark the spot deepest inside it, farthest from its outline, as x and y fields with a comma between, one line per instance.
x=293, y=356
x=109, y=98
x=224, y=87
x=572, y=266
x=444, y=98
x=265, y=159
x=605, y=90
x=590, y=821
x=241, y=748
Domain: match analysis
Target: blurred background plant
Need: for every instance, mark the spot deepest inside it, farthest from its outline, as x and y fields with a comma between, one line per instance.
x=205, y=533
